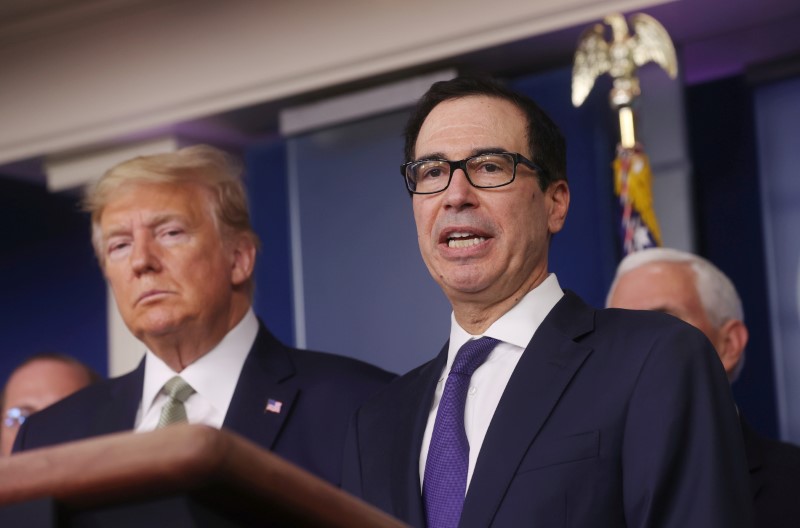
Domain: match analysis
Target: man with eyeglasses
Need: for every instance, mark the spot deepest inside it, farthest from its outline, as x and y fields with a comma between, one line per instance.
x=540, y=410
x=38, y=382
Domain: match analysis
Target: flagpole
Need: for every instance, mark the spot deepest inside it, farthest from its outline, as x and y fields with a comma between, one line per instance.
x=626, y=127
x=620, y=58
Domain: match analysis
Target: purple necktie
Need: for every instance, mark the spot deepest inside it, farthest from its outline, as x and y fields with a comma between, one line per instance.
x=445, y=482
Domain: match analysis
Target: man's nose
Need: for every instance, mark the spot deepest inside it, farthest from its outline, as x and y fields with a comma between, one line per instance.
x=144, y=255
x=460, y=193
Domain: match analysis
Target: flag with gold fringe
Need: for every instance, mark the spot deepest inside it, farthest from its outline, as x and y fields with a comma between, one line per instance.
x=620, y=57
x=633, y=185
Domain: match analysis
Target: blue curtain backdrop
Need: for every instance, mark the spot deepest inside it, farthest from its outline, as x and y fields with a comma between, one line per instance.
x=778, y=126
x=266, y=175
x=52, y=294
x=729, y=226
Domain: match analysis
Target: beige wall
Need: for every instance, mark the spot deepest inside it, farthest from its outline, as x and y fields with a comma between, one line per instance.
x=74, y=82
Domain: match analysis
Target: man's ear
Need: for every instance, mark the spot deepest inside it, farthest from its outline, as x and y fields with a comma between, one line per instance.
x=557, y=200
x=732, y=340
x=243, y=259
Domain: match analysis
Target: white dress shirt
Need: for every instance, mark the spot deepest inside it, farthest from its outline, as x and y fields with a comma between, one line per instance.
x=213, y=376
x=514, y=330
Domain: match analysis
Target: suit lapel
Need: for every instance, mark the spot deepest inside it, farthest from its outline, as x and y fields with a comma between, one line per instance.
x=412, y=409
x=119, y=413
x=545, y=369
x=261, y=402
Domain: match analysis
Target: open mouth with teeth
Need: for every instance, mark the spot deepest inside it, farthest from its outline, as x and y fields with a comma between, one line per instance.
x=463, y=240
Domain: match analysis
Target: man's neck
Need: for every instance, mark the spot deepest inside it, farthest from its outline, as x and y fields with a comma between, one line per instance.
x=476, y=315
x=193, y=340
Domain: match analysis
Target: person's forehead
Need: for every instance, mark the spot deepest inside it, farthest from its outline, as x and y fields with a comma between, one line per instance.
x=472, y=122
x=673, y=272
x=49, y=368
x=156, y=198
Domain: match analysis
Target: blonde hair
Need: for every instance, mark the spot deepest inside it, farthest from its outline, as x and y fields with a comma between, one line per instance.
x=210, y=167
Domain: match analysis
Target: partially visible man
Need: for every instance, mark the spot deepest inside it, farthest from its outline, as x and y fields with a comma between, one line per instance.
x=541, y=410
x=693, y=289
x=173, y=237
x=36, y=383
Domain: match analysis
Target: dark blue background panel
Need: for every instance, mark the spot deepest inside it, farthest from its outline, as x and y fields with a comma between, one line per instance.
x=729, y=225
x=53, y=294
x=267, y=186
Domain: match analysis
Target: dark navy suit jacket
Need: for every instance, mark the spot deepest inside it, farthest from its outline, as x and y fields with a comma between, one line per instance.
x=774, y=479
x=611, y=418
x=319, y=393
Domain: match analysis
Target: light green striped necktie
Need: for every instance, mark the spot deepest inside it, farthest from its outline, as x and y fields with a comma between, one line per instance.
x=174, y=410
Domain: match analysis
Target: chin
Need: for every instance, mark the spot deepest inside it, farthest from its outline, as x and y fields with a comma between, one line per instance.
x=465, y=283
x=156, y=327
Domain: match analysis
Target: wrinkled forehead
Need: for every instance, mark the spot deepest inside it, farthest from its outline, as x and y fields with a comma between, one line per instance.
x=156, y=198
x=469, y=124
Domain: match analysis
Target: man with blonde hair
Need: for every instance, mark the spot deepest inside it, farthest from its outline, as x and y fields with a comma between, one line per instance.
x=173, y=238
x=694, y=290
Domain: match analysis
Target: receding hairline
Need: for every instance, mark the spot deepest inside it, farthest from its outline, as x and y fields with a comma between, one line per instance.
x=704, y=275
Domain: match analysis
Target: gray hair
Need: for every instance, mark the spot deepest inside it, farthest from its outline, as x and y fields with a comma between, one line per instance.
x=717, y=294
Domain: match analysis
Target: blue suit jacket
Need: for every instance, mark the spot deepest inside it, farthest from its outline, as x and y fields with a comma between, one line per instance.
x=774, y=479
x=611, y=418
x=319, y=392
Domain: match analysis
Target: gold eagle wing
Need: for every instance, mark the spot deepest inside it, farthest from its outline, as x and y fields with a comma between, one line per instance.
x=652, y=43
x=591, y=61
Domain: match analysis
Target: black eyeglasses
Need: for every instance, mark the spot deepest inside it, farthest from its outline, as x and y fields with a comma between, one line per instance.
x=484, y=171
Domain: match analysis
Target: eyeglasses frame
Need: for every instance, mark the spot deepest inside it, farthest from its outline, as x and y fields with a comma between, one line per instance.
x=462, y=164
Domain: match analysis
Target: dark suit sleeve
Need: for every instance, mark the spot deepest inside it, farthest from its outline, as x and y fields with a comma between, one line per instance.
x=351, y=465
x=683, y=457
x=19, y=441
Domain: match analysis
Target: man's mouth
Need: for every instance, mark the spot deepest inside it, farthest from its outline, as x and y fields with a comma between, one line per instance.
x=150, y=294
x=463, y=240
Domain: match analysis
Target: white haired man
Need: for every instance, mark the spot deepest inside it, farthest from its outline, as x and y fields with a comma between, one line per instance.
x=694, y=290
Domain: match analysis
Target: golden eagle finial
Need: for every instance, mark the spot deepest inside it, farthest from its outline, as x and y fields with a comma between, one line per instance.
x=621, y=56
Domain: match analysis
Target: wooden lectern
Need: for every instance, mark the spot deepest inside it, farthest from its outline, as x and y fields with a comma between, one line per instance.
x=179, y=476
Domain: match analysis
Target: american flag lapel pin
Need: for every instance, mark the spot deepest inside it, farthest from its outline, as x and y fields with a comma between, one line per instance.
x=273, y=406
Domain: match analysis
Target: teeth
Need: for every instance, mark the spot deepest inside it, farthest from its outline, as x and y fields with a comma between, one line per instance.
x=463, y=243
x=461, y=235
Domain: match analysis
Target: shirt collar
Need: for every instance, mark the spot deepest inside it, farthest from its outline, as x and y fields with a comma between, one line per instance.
x=517, y=325
x=213, y=375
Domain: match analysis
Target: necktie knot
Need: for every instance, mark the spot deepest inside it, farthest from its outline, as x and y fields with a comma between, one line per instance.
x=472, y=354
x=177, y=389
x=174, y=410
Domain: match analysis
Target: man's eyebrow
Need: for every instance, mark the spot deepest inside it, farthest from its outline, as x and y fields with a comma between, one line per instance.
x=117, y=230
x=163, y=218
x=475, y=152
x=155, y=221
x=431, y=156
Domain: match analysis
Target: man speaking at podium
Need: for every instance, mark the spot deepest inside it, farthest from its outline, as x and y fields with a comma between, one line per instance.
x=172, y=235
x=540, y=410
